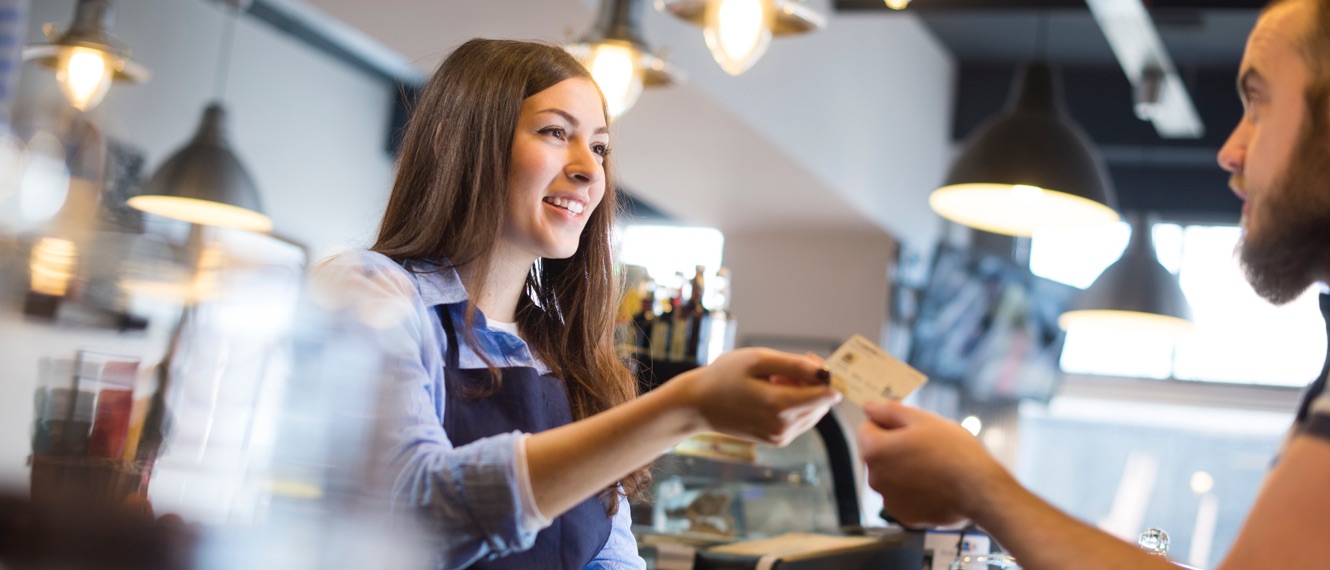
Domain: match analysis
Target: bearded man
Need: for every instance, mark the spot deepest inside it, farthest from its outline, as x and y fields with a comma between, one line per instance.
x=932, y=471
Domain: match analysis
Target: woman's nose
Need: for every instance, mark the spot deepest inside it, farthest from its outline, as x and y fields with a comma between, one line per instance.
x=584, y=166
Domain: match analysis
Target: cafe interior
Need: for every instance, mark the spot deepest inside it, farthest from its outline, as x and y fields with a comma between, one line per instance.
x=1018, y=198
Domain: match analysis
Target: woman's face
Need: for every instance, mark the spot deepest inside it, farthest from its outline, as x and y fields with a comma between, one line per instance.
x=557, y=176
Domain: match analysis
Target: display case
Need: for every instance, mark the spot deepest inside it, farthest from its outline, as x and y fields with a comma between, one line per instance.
x=712, y=494
x=712, y=488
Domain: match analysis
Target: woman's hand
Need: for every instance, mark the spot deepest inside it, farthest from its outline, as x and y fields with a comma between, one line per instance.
x=752, y=393
x=757, y=394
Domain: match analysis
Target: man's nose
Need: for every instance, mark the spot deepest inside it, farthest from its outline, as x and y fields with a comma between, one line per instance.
x=1233, y=155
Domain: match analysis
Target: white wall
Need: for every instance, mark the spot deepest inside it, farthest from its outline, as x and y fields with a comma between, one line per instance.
x=309, y=129
x=816, y=285
x=863, y=105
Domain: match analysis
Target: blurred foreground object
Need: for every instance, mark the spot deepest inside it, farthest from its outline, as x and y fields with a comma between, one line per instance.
x=262, y=441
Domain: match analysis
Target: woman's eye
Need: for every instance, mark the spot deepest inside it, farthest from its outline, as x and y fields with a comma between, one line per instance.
x=556, y=132
x=602, y=150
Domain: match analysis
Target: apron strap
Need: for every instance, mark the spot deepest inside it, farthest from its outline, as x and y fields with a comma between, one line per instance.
x=450, y=335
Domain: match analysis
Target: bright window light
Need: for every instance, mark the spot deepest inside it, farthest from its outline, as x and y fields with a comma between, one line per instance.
x=1077, y=256
x=1239, y=337
x=666, y=250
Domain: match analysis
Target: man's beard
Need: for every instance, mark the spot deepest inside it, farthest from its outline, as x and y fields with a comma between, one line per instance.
x=1292, y=248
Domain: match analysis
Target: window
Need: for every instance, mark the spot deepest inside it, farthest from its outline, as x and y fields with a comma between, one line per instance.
x=1239, y=337
x=667, y=250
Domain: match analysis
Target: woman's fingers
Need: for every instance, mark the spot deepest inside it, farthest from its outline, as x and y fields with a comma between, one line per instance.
x=803, y=397
x=766, y=363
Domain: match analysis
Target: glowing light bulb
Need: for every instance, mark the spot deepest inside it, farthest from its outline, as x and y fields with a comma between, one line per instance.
x=85, y=76
x=897, y=4
x=615, y=69
x=52, y=266
x=737, y=32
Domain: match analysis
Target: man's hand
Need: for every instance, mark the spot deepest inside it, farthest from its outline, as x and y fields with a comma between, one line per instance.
x=929, y=470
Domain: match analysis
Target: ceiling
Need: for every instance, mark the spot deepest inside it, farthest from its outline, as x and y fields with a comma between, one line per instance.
x=851, y=127
x=1205, y=39
x=806, y=140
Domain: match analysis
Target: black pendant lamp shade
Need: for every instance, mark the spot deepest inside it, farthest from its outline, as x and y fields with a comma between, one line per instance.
x=1136, y=293
x=1028, y=169
x=204, y=183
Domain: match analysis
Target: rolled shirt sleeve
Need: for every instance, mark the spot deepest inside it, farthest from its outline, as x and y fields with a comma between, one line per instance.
x=469, y=498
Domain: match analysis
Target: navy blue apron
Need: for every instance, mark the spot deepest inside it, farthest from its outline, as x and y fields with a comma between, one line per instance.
x=529, y=402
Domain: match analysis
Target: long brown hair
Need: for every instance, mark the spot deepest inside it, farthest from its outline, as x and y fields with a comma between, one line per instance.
x=448, y=202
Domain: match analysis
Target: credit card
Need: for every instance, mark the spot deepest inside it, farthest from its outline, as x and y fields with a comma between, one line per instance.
x=863, y=373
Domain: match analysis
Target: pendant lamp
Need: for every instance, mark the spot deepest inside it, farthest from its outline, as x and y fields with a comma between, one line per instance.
x=1029, y=168
x=618, y=56
x=1136, y=293
x=87, y=57
x=738, y=31
x=205, y=183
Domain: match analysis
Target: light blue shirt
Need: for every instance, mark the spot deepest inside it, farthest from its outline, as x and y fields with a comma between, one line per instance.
x=470, y=497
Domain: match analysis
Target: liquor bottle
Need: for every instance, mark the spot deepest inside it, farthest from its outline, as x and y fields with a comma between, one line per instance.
x=625, y=320
x=679, y=326
x=698, y=318
x=660, y=330
x=644, y=320
x=718, y=331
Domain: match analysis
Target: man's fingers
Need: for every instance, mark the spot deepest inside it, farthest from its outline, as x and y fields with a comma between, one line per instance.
x=889, y=414
x=871, y=438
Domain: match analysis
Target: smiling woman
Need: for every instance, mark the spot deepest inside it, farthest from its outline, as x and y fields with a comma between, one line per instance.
x=558, y=175
x=513, y=429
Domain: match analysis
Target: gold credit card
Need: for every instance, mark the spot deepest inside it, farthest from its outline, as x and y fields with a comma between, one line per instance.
x=862, y=373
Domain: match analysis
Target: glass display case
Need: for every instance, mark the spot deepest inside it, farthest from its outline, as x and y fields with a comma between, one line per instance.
x=719, y=502
x=708, y=491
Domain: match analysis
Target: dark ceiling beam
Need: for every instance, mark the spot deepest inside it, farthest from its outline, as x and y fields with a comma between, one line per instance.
x=1100, y=99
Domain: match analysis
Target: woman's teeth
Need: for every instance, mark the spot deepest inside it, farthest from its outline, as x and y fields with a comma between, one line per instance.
x=571, y=205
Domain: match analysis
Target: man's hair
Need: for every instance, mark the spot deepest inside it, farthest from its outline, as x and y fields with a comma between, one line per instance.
x=1314, y=43
x=448, y=204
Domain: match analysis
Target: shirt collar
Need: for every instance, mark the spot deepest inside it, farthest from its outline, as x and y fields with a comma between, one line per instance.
x=439, y=283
